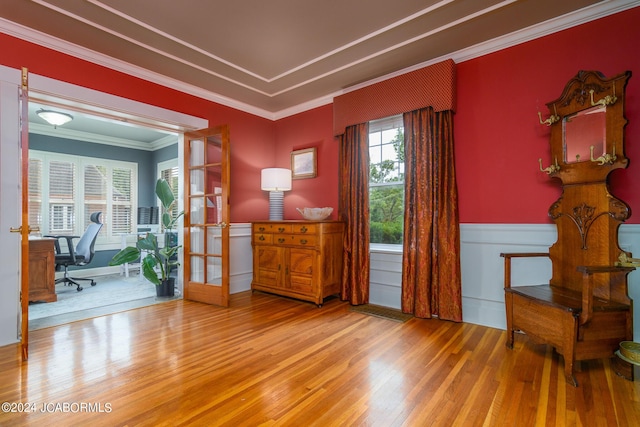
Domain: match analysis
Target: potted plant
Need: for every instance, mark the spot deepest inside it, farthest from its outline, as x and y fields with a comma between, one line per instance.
x=156, y=262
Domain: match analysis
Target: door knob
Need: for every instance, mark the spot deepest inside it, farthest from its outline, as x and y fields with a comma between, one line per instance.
x=19, y=229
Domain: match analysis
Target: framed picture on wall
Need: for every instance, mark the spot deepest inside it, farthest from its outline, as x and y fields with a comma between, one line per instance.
x=303, y=163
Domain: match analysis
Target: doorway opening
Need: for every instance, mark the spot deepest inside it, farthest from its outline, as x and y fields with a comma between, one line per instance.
x=110, y=129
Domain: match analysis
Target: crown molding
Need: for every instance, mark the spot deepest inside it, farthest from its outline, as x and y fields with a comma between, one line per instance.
x=71, y=49
x=554, y=25
x=301, y=108
x=590, y=13
x=61, y=132
x=569, y=20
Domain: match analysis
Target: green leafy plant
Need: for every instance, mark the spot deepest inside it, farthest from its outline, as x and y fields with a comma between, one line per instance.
x=157, y=262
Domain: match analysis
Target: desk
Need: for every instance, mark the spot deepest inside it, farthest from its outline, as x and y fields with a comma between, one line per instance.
x=42, y=274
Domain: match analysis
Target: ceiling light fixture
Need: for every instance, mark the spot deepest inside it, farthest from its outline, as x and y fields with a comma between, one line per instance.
x=54, y=118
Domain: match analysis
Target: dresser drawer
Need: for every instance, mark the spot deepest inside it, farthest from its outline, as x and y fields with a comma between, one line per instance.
x=304, y=228
x=263, y=238
x=282, y=239
x=289, y=239
x=277, y=228
x=302, y=240
x=261, y=228
x=281, y=228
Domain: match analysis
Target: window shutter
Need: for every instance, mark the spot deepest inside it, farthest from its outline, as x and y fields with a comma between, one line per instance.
x=122, y=204
x=35, y=192
x=62, y=191
x=95, y=193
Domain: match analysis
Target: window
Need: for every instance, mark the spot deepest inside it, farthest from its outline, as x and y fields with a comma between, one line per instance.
x=386, y=180
x=169, y=172
x=65, y=190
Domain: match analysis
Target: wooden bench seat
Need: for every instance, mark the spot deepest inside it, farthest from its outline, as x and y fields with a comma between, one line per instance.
x=580, y=325
x=565, y=299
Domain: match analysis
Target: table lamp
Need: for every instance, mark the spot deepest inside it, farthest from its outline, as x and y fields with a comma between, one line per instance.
x=276, y=181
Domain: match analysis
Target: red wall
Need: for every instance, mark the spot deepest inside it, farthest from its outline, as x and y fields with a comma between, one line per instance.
x=498, y=137
x=252, y=137
x=312, y=128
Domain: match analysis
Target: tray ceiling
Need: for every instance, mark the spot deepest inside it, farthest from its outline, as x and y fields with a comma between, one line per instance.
x=277, y=57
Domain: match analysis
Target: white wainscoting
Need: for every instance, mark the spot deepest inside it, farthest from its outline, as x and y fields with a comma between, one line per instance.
x=483, y=268
x=240, y=258
x=385, y=277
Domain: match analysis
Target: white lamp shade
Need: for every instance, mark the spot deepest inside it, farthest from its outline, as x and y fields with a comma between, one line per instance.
x=276, y=179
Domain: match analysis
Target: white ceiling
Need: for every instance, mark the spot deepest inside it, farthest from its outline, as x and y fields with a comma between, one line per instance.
x=88, y=127
x=279, y=57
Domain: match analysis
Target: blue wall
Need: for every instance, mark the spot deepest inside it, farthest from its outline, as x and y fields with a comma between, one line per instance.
x=147, y=169
x=145, y=159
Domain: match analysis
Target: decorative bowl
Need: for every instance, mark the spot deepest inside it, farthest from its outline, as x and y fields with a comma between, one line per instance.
x=315, y=214
x=630, y=350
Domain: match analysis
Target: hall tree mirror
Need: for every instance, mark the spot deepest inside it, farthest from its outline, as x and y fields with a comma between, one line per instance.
x=585, y=134
x=587, y=128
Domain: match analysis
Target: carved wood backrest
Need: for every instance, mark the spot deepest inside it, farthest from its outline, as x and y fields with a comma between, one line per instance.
x=587, y=144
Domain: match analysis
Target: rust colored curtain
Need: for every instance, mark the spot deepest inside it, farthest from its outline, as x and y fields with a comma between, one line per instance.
x=354, y=211
x=431, y=283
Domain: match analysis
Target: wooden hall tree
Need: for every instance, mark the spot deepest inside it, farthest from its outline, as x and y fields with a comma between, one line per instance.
x=584, y=312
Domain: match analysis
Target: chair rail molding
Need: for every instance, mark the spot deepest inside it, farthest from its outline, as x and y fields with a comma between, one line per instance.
x=481, y=266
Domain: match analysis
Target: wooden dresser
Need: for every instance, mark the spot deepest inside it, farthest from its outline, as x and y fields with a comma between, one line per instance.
x=42, y=272
x=298, y=259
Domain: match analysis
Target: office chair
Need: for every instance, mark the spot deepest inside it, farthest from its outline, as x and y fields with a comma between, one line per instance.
x=80, y=254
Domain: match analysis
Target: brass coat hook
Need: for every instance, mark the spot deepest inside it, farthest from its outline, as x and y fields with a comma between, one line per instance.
x=607, y=100
x=606, y=158
x=552, y=118
x=551, y=168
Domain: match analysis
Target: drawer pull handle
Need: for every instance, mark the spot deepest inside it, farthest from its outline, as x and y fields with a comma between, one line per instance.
x=281, y=229
x=303, y=229
x=261, y=238
x=303, y=241
x=261, y=229
x=281, y=240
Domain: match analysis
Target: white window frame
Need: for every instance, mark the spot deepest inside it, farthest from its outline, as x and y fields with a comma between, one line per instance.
x=107, y=239
x=391, y=122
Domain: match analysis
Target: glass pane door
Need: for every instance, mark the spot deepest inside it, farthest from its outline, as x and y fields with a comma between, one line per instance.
x=206, y=216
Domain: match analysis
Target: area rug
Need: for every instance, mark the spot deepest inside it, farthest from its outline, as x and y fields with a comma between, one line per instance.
x=109, y=290
x=382, y=312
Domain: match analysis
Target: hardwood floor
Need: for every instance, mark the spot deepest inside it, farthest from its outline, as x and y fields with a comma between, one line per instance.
x=273, y=361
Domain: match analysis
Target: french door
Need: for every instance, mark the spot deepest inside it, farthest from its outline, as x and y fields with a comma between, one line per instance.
x=14, y=232
x=206, y=219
